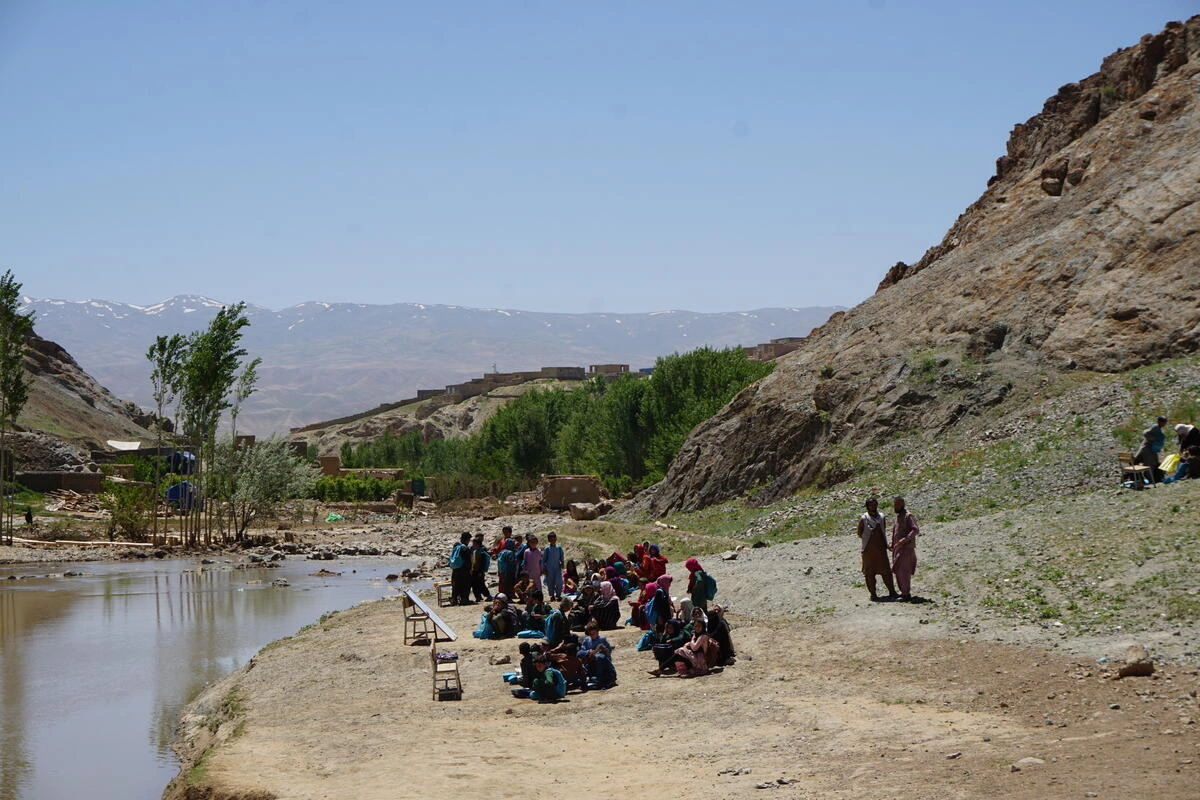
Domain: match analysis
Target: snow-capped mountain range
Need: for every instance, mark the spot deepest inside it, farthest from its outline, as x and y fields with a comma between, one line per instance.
x=325, y=360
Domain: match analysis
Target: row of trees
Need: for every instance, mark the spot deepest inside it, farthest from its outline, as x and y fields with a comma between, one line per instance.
x=203, y=375
x=627, y=431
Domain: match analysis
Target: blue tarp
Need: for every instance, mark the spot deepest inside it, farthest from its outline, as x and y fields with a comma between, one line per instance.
x=182, y=495
x=182, y=462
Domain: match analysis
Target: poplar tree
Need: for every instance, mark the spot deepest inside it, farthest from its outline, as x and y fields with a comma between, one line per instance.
x=207, y=376
x=166, y=356
x=15, y=330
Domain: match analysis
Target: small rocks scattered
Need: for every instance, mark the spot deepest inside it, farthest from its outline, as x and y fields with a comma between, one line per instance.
x=772, y=784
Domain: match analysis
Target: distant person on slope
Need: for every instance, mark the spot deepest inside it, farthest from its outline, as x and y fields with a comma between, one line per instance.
x=1189, y=436
x=1189, y=466
x=1147, y=456
x=1156, y=435
x=904, y=548
x=872, y=535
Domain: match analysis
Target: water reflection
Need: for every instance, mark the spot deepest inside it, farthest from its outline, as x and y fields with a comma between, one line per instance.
x=96, y=669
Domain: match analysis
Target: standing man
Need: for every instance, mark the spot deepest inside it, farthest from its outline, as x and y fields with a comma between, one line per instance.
x=460, y=571
x=872, y=535
x=904, y=548
x=552, y=566
x=480, y=561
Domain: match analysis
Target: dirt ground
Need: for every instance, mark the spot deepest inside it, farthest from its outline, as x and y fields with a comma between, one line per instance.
x=832, y=696
x=344, y=709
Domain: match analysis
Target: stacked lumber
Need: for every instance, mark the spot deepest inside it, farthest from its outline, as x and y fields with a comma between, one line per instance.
x=68, y=500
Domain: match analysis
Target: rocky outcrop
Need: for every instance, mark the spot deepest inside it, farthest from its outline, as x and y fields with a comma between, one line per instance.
x=1120, y=85
x=1081, y=254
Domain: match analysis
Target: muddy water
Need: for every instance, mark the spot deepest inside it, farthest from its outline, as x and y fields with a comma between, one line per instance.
x=95, y=669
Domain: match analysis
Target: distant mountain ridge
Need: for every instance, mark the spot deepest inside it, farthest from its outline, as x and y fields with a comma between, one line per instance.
x=325, y=360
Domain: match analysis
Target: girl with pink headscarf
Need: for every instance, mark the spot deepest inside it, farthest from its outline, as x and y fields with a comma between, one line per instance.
x=697, y=584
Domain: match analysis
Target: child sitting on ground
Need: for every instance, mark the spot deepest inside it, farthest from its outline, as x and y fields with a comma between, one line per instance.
x=548, y=686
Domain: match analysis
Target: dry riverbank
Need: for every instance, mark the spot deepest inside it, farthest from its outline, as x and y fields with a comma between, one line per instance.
x=839, y=697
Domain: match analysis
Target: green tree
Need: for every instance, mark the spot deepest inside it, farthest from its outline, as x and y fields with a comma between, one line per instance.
x=129, y=508
x=245, y=387
x=684, y=391
x=207, y=377
x=15, y=330
x=626, y=430
x=617, y=435
x=253, y=479
x=166, y=359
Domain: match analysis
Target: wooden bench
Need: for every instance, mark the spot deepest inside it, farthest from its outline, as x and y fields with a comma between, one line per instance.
x=421, y=623
x=447, y=683
x=417, y=624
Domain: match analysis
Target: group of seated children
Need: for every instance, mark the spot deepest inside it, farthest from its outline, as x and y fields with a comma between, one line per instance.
x=547, y=670
x=687, y=640
x=697, y=647
x=520, y=609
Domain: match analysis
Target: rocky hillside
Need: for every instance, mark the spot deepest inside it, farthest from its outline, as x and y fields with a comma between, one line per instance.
x=1080, y=256
x=69, y=413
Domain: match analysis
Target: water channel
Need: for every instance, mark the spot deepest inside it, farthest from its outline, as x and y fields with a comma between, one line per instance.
x=95, y=669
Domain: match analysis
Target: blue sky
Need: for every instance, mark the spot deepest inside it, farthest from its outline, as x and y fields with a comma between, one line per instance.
x=549, y=156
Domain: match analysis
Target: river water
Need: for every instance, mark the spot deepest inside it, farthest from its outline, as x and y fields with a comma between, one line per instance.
x=96, y=669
